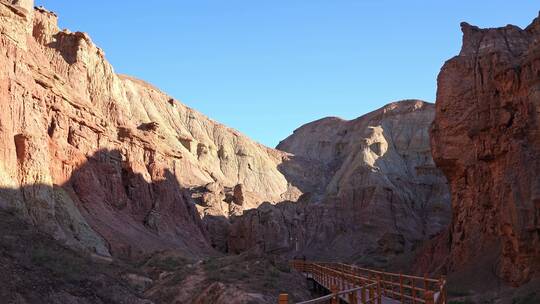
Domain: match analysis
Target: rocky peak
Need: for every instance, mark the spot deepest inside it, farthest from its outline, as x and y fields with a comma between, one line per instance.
x=110, y=159
x=110, y=164
x=535, y=24
x=370, y=186
x=508, y=39
x=485, y=139
x=45, y=26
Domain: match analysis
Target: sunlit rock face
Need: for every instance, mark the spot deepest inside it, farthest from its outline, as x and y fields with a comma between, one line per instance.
x=107, y=162
x=110, y=164
x=486, y=140
x=371, y=189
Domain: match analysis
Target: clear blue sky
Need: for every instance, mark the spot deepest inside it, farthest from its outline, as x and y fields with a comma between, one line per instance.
x=267, y=67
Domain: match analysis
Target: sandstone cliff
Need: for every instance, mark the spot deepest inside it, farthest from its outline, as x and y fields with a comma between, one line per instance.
x=104, y=161
x=371, y=189
x=110, y=164
x=486, y=139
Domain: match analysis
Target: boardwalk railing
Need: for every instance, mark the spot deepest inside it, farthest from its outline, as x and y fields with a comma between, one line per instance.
x=354, y=285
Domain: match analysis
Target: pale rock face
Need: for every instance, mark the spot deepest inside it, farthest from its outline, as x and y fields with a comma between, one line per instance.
x=110, y=164
x=26, y=4
x=370, y=188
x=105, y=161
x=485, y=139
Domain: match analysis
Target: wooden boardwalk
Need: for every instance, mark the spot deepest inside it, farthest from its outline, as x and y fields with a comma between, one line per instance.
x=354, y=285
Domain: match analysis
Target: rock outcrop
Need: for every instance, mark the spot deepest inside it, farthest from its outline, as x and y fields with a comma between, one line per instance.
x=486, y=139
x=371, y=189
x=110, y=164
x=106, y=162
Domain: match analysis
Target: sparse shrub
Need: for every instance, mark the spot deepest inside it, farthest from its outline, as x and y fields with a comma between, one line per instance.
x=178, y=277
x=531, y=298
x=167, y=263
x=456, y=293
x=60, y=263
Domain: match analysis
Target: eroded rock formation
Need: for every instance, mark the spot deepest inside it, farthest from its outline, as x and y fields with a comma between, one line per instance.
x=104, y=161
x=110, y=164
x=486, y=140
x=371, y=189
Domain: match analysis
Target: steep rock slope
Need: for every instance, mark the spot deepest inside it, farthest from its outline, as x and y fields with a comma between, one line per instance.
x=102, y=160
x=486, y=140
x=37, y=269
x=110, y=164
x=370, y=188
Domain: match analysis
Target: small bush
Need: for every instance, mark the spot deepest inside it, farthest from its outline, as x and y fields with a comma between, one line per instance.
x=531, y=298
x=167, y=263
x=178, y=277
x=454, y=292
x=61, y=264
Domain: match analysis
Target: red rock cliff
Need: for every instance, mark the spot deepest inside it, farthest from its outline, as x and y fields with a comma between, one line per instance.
x=103, y=161
x=486, y=139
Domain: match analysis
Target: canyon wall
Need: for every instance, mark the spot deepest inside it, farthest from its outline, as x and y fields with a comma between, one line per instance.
x=370, y=189
x=107, y=162
x=110, y=164
x=486, y=139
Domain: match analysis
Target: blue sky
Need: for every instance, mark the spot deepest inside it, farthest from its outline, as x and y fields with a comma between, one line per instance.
x=267, y=67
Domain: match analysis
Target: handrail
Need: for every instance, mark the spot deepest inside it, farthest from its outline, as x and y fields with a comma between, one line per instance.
x=391, y=274
x=401, y=287
x=336, y=294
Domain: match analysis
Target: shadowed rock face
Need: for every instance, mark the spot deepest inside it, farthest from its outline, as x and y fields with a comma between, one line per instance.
x=486, y=139
x=61, y=103
x=370, y=188
x=108, y=163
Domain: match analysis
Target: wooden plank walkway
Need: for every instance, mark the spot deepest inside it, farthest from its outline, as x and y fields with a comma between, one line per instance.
x=355, y=285
x=354, y=294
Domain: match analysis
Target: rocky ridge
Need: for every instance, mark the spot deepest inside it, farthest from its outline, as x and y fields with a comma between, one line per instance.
x=105, y=161
x=110, y=164
x=485, y=138
x=371, y=190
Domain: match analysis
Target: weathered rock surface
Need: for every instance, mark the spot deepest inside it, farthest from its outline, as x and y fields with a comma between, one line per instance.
x=37, y=269
x=486, y=140
x=105, y=161
x=110, y=164
x=244, y=278
x=370, y=188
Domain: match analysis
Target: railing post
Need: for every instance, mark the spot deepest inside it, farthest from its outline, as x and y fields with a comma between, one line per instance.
x=379, y=298
x=342, y=277
x=442, y=289
x=363, y=295
x=413, y=283
x=283, y=298
x=429, y=297
x=385, y=285
x=401, y=288
x=352, y=297
x=335, y=299
x=371, y=294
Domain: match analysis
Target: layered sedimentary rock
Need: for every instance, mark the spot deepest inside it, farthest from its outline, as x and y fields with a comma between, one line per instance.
x=486, y=140
x=110, y=164
x=370, y=188
x=106, y=162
